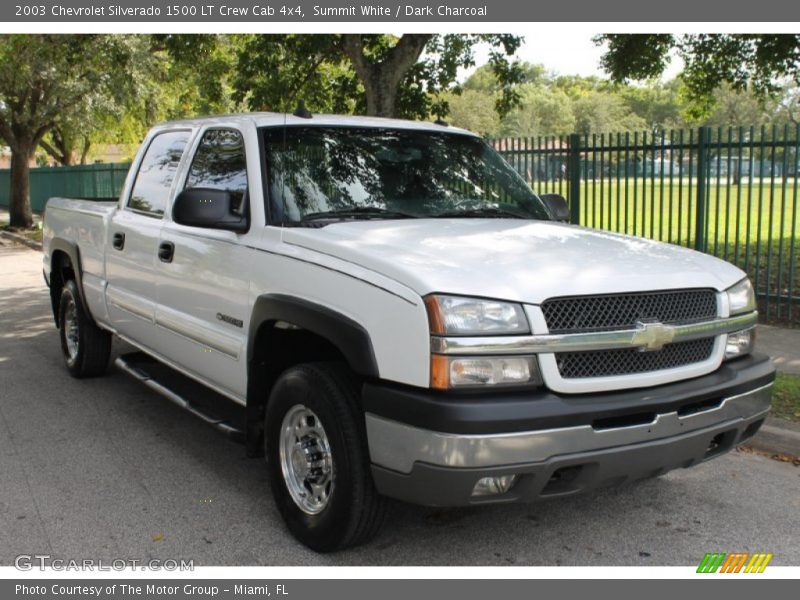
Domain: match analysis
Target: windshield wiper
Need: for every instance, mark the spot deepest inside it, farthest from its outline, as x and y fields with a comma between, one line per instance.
x=488, y=211
x=359, y=212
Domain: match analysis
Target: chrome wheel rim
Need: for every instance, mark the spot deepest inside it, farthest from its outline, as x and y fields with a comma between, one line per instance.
x=306, y=460
x=71, y=334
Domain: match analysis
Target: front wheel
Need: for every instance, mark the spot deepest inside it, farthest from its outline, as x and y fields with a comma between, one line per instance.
x=85, y=346
x=318, y=463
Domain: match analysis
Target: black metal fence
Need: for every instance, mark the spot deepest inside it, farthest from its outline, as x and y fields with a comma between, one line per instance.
x=732, y=193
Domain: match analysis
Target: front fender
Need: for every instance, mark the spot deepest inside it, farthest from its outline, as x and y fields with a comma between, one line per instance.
x=349, y=337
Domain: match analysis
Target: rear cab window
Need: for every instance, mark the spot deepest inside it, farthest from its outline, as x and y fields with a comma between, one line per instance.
x=153, y=183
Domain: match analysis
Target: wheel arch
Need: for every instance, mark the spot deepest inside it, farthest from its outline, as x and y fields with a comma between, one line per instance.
x=65, y=264
x=286, y=330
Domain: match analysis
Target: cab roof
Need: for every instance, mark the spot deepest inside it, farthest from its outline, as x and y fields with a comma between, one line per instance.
x=271, y=119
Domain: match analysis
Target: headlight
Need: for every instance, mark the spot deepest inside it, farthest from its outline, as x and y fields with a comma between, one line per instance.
x=449, y=372
x=456, y=315
x=740, y=343
x=741, y=298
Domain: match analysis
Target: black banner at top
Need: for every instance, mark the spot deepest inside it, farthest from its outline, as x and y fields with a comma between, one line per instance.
x=393, y=11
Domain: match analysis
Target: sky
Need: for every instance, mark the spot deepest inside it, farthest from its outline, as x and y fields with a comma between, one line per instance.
x=566, y=54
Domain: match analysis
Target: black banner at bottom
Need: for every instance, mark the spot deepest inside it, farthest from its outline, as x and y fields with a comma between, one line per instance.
x=390, y=589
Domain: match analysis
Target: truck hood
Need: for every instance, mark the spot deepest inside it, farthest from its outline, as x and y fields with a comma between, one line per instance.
x=524, y=261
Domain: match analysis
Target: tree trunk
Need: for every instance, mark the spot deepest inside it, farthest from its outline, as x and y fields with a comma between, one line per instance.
x=380, y=79
x=87, y=143
x=380, y=91
x=59, y=151
x=20, y=206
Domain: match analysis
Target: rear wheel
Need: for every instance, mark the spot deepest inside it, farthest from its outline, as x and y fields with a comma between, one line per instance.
x=319, y=469
x=85, y=346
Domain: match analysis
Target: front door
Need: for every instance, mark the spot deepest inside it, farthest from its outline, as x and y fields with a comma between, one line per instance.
x=202, y=315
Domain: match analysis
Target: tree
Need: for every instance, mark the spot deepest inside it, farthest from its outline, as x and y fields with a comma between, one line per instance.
x=483, y=78
x=542, y=111
x=195, y=70
x=273, y=71
x=44, y=79
x=381, y=65
x=660, y=105
x=576, y=85
x=735, y=108
x=787, y=111
x=599, y=112
x=379, y=75
x=475, y=111
x=166, y=77
x=68, y=143
x=475, y=107
x=745, y=61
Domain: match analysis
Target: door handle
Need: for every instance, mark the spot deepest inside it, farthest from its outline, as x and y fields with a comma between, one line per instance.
x=119, y=241
x=165, y=251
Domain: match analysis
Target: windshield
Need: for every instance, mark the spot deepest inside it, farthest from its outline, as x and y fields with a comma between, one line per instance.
x=318, y=174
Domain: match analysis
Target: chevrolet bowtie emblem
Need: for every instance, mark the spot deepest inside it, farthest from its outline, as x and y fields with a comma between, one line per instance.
x=652, y=336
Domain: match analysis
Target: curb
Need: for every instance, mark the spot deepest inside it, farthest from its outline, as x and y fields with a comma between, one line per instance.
x=777, y=436
x=21, y=239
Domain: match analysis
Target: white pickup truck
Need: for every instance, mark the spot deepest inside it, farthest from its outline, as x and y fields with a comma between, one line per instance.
x=385, y=309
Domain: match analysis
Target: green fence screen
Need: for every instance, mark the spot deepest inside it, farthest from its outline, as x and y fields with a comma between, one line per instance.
x=81, y=181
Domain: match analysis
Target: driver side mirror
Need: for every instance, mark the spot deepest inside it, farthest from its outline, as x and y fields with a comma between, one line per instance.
x=557, y=205
x=209, y=208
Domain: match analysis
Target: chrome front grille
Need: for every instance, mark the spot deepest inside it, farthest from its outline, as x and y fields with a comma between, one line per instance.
x=630, y=361
x=577, y=314
x=585, y=314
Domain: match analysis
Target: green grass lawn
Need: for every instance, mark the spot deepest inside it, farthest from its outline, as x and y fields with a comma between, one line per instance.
x=745, y=212
x=31, y=234
x=786, y=397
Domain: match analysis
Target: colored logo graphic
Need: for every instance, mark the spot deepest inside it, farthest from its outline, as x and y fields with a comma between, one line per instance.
x=736, y=562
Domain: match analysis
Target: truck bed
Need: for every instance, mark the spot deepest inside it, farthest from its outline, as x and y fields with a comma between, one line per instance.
x=83, y=223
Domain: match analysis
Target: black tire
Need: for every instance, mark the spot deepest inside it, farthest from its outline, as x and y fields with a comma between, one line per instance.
x=354, y=511
x=88, y=357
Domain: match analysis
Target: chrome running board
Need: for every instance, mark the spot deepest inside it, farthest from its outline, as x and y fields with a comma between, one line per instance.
x=166, y=381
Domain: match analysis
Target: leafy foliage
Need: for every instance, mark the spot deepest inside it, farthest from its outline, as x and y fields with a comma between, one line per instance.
x=273, y=71
x=199, y=67
x=598, y=111
x=70, y=93
x=408, y=76
x=52, y=81
x=542, y=111
x=473, y=110
x=743, y=61
x=550, y=104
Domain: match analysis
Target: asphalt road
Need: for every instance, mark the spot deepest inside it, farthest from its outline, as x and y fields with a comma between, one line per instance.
x=106, y=469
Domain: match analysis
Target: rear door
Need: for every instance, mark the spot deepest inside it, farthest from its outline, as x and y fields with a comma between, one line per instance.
x=132, y=247
x=202, y=315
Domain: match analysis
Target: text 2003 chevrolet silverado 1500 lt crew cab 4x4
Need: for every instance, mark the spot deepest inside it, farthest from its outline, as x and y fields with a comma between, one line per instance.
x=392, y=312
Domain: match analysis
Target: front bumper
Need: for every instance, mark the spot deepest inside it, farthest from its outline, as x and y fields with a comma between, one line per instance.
x=592, y=441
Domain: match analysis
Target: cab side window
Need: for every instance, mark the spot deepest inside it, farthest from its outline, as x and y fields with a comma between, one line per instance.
x=219, y=163
x=156, y=173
